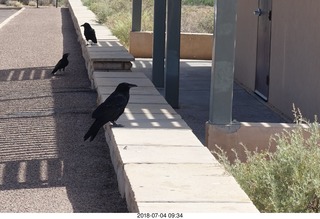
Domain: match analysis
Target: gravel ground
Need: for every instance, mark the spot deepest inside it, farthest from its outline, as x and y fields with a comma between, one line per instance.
x=44, y=164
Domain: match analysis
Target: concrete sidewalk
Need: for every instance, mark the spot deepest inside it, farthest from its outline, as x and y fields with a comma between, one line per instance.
x=195, y=79
x=44, y=164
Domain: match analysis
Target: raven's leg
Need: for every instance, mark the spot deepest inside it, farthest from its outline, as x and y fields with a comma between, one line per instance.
x=114, y=124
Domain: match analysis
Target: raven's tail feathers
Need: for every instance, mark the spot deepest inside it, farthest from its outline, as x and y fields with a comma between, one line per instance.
x=54, y=71
x=93, y=130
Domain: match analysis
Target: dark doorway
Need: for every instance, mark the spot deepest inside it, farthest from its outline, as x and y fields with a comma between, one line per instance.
x=264, y=14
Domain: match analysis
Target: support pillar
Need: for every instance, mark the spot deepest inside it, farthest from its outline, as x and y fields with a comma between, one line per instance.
x=136, y=15
x=222, y=75
x=159, y=31
x=172, y=64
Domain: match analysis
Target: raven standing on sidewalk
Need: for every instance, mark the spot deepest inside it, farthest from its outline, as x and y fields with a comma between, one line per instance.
x=61, y=64
x=89, y=33
x=110, y=110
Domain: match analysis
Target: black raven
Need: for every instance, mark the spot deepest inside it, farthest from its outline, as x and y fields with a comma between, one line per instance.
x=61, y=64
x=110, y=110
x=89, y=33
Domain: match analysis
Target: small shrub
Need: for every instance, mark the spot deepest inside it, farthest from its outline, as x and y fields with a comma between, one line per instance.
x=14, y=4
x=32, y=3
x=101, y=10
x=206, y=23
x=61, y=3
x=287, y=180
x=86, y=2
x=193, y=23
x=121, y=28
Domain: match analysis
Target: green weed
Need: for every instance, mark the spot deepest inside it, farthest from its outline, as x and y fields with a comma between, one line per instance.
x=198, y=2
x=32, y=3
x=287, y=180
x=14, y=4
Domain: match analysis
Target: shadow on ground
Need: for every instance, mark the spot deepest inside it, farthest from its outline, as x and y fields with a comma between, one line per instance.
x=88, y=171
x=194, y=97
x=63, y=159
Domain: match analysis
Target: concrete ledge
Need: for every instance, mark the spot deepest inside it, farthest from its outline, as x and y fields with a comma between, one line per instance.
x=255, y=136
x=179, y=183
x=159, y=162
x=192, y=45
x=108, y=53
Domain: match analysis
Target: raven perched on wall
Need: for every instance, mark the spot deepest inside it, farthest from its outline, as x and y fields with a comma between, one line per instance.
x=61, y=64
x=110, y=110
x=89, y=33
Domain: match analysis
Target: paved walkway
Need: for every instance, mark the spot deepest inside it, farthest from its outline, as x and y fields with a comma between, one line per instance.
x=44, y=164
x=195, y=79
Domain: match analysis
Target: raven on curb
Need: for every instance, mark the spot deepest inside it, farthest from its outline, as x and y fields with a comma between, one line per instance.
x=110, y=110
x=61, y=64
x=89, y=33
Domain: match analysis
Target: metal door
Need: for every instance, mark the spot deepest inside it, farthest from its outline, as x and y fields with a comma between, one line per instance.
x=264, y=15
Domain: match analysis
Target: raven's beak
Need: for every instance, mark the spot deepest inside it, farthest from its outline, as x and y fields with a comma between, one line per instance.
x=82, y=25
x=132, y=85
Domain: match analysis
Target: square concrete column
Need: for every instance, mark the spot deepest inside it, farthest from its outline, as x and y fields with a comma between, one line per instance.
x=159, y=32
x=136, y=15
x=222, y=77
x=172, y=63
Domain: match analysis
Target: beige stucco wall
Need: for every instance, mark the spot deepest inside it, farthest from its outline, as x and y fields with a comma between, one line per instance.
x=295, y=52
x=254, y=136
x=245, y=52
x=140, y=45
x=192, y=45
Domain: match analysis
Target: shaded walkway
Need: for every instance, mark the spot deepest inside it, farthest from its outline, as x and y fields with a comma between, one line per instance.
x=195, y=78
x=44, y=164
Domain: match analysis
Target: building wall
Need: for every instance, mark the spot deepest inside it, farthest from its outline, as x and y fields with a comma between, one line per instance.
x=245, y=53
x=295, y=54
x=295, y=57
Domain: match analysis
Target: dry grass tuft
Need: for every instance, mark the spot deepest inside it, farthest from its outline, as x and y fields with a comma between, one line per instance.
x=192, y=22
